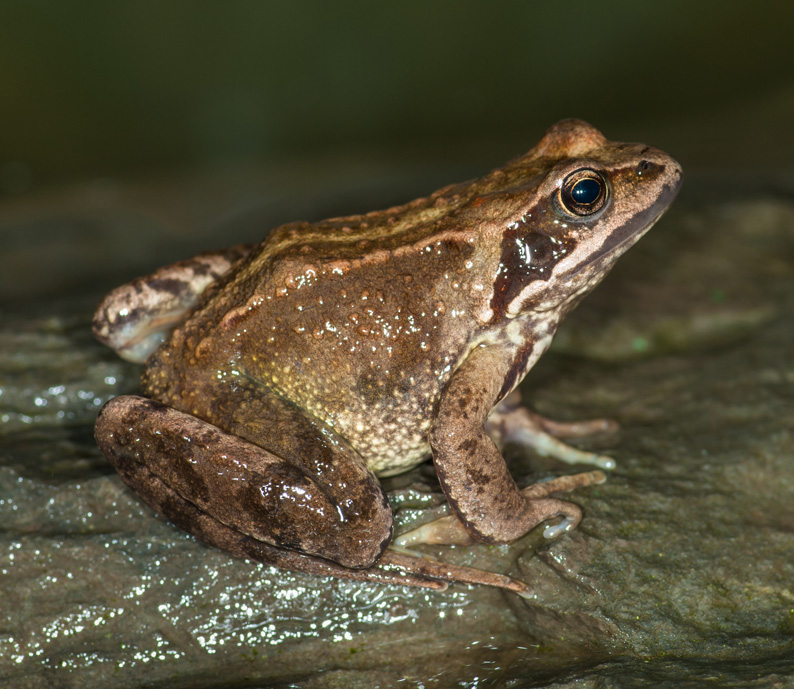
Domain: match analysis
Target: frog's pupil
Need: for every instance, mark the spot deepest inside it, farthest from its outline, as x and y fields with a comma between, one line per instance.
x=586, y=191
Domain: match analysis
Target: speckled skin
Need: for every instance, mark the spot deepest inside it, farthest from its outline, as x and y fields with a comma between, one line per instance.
x=337, y=349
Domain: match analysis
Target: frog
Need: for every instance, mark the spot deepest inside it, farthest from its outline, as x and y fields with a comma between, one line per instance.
x=283, y=380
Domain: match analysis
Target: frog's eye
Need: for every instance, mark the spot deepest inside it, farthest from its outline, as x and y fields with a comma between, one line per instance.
x=583, y=192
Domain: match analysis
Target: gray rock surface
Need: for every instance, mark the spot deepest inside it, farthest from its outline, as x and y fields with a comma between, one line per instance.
x=682, y=572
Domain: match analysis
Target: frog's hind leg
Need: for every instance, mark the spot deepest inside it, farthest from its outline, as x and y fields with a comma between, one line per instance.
x=164, y=466
x=184, y=514
x=324, y=502
x=392, y=568
x=511, y=422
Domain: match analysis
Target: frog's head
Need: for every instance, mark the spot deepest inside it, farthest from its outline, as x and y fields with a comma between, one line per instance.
x=578, y=203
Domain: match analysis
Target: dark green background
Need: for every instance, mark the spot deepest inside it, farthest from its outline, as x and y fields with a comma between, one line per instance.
x=126, y=88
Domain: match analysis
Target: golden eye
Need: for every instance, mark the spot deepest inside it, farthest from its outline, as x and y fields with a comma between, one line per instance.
x=583, y=193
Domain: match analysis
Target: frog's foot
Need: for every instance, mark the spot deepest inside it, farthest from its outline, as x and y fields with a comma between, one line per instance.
x=435, y=570
x=573, y=429
x=450, y=530
x=510, y=422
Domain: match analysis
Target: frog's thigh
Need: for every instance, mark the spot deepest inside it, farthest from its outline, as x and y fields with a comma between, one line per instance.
x=189, y=518
x=471, y=469
x=326, y=504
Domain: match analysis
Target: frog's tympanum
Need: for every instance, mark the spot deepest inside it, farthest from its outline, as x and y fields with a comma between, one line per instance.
x=282, y=379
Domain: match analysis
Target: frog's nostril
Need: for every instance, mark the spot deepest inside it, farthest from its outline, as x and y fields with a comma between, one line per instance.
x=647, y=166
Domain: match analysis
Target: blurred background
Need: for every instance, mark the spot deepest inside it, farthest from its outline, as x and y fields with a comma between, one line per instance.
x=135, y=133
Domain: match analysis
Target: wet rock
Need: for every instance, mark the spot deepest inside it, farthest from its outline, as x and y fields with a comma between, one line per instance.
x=682, y=567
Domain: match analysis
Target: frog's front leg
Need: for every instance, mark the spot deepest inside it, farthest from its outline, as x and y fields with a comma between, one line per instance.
x=512, y=422
x=471, y=469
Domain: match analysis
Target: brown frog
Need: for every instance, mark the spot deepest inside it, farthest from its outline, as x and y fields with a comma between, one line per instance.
x=282, y=379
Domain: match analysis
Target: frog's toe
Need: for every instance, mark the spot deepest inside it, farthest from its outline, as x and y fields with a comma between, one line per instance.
x=555, y=530
x=575, y=429
x=548, y=446
x=603, y=462
x=444, y=571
